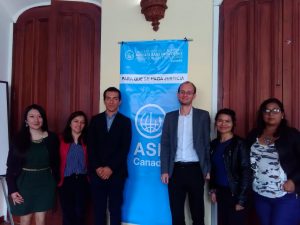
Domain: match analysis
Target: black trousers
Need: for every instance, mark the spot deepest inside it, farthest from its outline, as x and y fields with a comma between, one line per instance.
x=227, y=215
x=107, y=191
x=74, y=194
x=187, y=180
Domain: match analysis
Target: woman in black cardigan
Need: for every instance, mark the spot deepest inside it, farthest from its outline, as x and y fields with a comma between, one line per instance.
x=32, y=168
x=275, y=160
x=230, y=170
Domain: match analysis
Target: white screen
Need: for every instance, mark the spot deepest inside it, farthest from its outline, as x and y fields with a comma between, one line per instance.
x=4, y=141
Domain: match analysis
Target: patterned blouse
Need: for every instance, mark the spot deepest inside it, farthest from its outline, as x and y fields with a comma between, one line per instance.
x=268, y=173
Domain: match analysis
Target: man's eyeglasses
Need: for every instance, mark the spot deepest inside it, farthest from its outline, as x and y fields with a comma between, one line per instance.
x=274, y=111
x=182, y=92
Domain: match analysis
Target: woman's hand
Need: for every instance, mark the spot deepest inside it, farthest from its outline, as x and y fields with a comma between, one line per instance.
x=17, y=198
x=289, y=186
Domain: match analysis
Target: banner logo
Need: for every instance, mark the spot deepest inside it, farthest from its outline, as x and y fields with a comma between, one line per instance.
x=129, y=55
x=149, y=121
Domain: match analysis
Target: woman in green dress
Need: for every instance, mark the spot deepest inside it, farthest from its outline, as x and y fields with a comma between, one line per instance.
x=32, y=168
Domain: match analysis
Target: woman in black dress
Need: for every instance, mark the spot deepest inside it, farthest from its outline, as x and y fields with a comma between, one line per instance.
x=32, y=168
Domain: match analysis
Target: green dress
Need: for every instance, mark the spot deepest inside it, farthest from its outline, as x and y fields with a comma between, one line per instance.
x=35, y=183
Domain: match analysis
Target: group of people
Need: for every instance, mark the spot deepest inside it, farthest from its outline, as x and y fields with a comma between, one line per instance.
x=94, y=158
x=84, y=159
x=268, y=160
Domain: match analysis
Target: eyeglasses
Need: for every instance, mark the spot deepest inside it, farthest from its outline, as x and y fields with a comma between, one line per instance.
x=274, y=111
x=182, y=92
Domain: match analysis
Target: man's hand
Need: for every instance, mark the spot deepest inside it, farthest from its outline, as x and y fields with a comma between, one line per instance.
x=104, y=172
x=207, y=177
x=213, y=197
x=165, y=178
x=238, y=207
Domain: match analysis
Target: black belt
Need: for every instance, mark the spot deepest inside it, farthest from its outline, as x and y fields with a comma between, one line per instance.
x=186, y=164
x=76, y=176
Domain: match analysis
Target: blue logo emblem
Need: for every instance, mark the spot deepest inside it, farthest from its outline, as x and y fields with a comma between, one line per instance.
x=129, y=55
x=149, y=121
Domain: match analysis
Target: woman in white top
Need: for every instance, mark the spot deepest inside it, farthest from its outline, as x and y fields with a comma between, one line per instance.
x=275, y=157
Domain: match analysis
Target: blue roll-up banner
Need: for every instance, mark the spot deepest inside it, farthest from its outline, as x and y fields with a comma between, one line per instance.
x=151, y=72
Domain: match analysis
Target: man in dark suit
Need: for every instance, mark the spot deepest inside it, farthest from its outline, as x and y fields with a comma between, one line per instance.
x=185, y=162
x=109, y=139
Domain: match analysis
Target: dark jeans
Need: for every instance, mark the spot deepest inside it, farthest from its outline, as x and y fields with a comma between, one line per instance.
x=227, y=215
x=73, y=195
x=187, y=179
x=278, y=211
x=107, y=191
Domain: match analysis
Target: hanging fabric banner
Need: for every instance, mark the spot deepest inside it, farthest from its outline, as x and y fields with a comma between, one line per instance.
x=151, y=72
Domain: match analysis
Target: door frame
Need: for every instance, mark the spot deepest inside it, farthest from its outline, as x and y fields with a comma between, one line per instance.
x=215, y=93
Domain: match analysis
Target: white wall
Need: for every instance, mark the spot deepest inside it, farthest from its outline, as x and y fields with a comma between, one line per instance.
x=123, y=21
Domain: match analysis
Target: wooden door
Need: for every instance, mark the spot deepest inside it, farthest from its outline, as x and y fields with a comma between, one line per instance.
x=74, y=67
x=291, y=60
x=259, y=58
x=56, y=61
x=30, y=63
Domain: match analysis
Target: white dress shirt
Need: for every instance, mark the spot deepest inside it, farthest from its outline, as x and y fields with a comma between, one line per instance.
x=185, y=148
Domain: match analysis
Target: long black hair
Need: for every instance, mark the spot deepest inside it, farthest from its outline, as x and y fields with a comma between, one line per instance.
x=228, y=112
x=23, y=137
x=67, y=133
x=261, y=124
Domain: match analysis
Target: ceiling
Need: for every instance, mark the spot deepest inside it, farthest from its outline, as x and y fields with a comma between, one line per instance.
x=16, y=7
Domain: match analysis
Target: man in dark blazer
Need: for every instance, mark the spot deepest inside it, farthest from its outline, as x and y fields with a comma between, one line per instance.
x=185, y=162
x=109, y=138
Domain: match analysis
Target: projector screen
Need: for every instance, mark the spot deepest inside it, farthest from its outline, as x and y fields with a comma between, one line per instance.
x=4, y=138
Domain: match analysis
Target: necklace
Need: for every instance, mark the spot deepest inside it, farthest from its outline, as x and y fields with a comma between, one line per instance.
x=268, y=140
x=39, y=140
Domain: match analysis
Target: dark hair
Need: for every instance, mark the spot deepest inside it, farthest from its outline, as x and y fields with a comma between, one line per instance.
x=112, y=89
x=67, y=133
x=23, y=137
x=228, y=112
x=260, y=119
x=187, y=82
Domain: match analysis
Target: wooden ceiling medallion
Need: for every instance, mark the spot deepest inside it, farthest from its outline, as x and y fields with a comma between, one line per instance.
x=154, y=10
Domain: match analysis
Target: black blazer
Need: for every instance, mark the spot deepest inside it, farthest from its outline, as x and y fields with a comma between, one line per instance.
x=16, y=161
x=237, y=163
x=288, y=147
x=109, y=148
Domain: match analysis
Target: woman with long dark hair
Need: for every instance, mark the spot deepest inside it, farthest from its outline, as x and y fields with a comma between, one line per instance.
x=230, y=170
x=32, y=168
x=73, y=185
x=275, y=157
